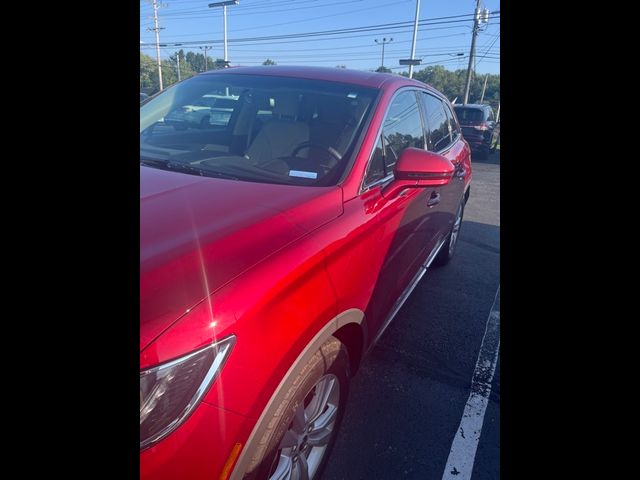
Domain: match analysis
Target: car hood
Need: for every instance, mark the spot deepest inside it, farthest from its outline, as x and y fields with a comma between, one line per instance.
x=198, y=233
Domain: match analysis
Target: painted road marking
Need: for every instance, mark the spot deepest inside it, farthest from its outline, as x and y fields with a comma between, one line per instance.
x=463, y=449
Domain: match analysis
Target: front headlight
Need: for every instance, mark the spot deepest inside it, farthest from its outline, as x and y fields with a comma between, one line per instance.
x=170, y=392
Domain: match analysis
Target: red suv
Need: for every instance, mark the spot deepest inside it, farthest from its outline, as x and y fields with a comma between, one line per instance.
x=276, y=247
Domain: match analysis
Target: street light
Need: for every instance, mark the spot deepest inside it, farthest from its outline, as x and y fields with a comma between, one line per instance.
x=224, y=10
x=415, y=36
x=383, y=43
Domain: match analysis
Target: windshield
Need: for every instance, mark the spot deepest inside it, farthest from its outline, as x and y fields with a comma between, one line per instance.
x=468, y=115
x=255, y=128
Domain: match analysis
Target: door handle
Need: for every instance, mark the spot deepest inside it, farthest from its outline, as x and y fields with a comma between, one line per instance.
x=434, y=199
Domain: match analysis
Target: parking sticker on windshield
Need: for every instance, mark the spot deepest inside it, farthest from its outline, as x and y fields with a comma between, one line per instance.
x=301, y=174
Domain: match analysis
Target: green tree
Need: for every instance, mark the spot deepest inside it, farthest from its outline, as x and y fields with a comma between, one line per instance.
x=341, y=66
x=383, y=69
x=452, y=84
x=190, y=64
x=148, y=73
x=268, y=61
x=186, y=69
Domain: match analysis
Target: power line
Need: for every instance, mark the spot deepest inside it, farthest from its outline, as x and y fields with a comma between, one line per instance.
x=332, y=51
x=383, y=25
x=248, y=7
x=253, y=11
x=368, y=46
x=194, y=45
x=485, y=55
x=371, y=28
x=373, y=34
x=341, y=14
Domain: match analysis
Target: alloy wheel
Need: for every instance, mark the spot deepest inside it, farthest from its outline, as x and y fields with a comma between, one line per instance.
x=454, y=231
x=304, y=445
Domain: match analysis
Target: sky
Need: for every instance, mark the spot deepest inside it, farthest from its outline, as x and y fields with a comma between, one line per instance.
x=438, y=43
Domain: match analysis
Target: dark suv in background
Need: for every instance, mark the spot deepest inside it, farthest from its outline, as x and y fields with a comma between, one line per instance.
x=479, y=127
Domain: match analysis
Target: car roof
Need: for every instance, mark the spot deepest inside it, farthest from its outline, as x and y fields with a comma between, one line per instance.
x=343, y=75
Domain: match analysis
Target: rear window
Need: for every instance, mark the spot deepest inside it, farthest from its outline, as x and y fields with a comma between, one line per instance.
x=466, y=115
x=437, y=121
x=455, y=127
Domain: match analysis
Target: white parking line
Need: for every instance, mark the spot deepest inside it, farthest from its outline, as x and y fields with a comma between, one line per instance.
x=463, y=449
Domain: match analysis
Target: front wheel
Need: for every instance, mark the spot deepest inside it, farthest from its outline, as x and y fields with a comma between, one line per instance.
x=299, y=438
x=448, y=249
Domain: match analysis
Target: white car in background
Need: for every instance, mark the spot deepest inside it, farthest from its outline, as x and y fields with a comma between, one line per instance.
x=208, y=110
x=222, y=109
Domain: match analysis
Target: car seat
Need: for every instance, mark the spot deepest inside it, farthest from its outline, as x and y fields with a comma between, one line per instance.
x=280, y=135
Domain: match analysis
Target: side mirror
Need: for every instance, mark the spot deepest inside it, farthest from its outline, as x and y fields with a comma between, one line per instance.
x=417, y=168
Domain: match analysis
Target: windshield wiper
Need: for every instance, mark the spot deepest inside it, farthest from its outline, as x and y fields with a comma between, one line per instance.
x=154, y=162
x=183, y=168
x=215, y=174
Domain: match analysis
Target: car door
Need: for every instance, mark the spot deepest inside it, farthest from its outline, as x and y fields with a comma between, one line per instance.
x=400, y=221
x=444, y=139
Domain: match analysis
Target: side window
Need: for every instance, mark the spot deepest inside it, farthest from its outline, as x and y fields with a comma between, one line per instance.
x=375, y=169
x=402, y=128
x=455, y=128
x=437, y=122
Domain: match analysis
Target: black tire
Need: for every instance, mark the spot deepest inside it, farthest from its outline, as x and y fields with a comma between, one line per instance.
x=448, y=250
x=331, y=359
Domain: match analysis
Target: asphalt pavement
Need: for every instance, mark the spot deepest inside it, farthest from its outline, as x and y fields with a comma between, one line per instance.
x=407, y=400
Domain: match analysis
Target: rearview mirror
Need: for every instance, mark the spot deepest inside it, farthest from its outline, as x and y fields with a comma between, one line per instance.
x=417, y=168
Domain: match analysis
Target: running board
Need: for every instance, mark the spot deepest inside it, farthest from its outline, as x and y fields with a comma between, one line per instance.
x=408, y=290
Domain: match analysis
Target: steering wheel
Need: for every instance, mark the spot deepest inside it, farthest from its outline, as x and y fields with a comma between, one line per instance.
x=333, y=152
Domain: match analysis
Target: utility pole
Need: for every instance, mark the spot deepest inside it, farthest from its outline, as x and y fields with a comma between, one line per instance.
x=178, y=64
x=157, y=29
x=484, y=87
x=224, y=15
x=476, y=27
x=383, y=43
x=205, y=48
x=415, y=36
